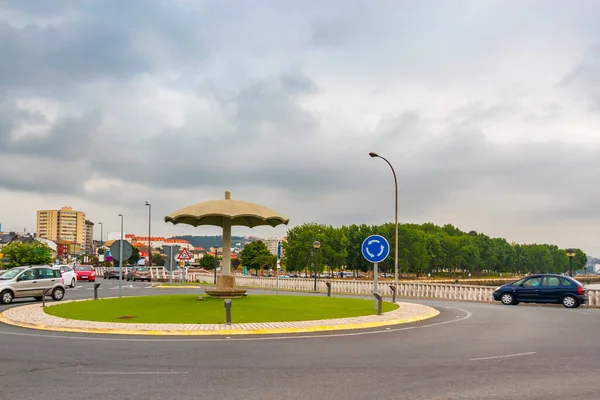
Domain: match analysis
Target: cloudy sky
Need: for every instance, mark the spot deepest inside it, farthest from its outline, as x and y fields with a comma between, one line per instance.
x=488, y=110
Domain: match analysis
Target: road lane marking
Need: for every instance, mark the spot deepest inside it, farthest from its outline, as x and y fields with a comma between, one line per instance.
x=504, y=356
x=133, y=373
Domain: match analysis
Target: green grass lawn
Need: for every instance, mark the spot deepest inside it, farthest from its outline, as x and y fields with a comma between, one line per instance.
x=187, y=309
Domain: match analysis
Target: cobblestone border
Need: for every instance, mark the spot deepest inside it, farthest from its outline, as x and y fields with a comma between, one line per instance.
x=33, y=317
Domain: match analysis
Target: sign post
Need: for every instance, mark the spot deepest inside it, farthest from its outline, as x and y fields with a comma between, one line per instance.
x=171, y=263
x=375, y=249
x=184, y=255
x=277, y=266
x=122, y=250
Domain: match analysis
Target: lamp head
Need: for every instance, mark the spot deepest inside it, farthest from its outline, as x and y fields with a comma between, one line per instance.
x=316, y=244
x=147, y=203
x=570, y=252
x=372, y=154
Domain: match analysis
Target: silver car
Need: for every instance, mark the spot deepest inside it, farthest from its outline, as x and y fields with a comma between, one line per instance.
x=31, y=281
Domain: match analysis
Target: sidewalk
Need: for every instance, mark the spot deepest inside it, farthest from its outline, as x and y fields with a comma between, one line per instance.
x=33, y=317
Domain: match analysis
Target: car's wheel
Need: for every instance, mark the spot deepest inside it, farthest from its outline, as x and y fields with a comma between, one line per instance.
x=58, y=294
x=39, y=298
x=73, y=282
x=6, y=297
x=507, y=299
x=570, y=302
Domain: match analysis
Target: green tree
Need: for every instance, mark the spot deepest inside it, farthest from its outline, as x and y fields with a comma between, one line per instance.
x=158, y=259
x=34, y=253
x=255, y=255
x=208, y=262
x=298, y=249
x=135, y=256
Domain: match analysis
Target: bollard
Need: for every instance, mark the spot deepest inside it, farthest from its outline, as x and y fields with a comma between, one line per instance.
x=379, y=303
x=228, y=311
x=96, y=286
x=393, y=288
x=328, y=289
x=44, y=294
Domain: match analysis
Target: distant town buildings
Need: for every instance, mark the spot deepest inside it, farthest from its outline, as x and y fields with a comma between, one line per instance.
x=271, y=243
x=89, y=237
x=65, y=224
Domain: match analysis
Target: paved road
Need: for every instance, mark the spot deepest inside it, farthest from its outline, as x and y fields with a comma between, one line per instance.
x=471, y=351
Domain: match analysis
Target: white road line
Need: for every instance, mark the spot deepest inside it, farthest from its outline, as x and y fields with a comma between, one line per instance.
x=133, y=373
x=504, y=356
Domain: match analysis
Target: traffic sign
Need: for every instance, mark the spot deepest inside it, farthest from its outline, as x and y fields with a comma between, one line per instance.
x=115, y=250
x=375, y=248
x=171, y=252
x=184, y=254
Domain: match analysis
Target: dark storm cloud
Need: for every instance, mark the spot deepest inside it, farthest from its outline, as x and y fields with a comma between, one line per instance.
x=45, y=59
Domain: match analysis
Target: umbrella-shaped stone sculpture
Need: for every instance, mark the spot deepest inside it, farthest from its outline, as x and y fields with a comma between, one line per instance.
x=225, y=213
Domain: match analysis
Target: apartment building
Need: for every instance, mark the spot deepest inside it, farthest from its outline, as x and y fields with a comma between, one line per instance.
x=271, y=243
x=64, y=224
x=89, y=237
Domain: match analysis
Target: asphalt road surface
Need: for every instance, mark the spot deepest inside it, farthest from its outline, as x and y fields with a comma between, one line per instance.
x=471, y=351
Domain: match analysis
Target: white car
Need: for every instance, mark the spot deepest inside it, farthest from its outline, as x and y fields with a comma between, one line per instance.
x=68, y=274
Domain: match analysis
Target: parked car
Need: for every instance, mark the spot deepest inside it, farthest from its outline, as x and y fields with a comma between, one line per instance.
x=139, y=273
x=544, y=288
x=114, y=273
x=85, y=273
x=35, y=281
x=68, y=274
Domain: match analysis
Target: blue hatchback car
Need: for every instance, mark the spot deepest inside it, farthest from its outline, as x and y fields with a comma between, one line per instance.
x=544, y=288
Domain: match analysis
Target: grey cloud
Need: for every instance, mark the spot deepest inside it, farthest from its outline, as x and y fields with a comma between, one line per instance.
x=47, y=59
x=244, y=63
x=585, y=78
x=40, y=176
x=69, y=138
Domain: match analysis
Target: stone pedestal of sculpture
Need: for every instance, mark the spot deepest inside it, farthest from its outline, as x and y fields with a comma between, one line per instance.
x=226, y=288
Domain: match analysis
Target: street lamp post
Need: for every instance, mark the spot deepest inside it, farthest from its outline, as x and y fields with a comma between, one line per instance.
x=121, y=257
x=216, y=264
x=316, y=245
x=149, y=237
x=571, y=254
x=101, y=235
x=375, y=155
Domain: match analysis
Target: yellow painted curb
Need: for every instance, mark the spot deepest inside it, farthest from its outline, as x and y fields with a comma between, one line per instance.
x=222, y=332
x=176, y=287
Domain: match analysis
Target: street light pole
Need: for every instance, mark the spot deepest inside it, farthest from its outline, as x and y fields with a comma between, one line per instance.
x=571, y=254
x=101, y=235
x=316, y=245
x=149, y=237
x=216, y=264
x=374, y=155
x=121, y=257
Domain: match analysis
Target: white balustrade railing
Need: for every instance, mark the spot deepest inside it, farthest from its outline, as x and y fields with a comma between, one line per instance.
x=447, y=291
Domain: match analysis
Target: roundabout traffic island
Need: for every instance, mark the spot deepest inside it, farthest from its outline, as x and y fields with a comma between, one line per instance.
x=185, y=315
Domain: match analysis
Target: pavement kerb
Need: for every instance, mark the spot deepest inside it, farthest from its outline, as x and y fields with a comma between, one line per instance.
x=223, y=330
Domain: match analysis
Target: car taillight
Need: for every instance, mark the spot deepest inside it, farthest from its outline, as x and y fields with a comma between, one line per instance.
x=580, y=290
x=135, y=272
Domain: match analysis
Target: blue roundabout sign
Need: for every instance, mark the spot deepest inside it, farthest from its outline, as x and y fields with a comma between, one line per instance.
x=375, y=248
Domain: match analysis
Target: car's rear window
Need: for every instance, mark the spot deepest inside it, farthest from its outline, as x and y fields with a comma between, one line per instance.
x=83, y=268
x=142, y=269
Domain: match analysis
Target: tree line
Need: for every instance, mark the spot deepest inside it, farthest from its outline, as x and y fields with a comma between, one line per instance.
x=422, y=249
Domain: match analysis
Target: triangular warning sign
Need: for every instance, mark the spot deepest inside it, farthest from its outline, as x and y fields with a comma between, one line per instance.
x=184, y=254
